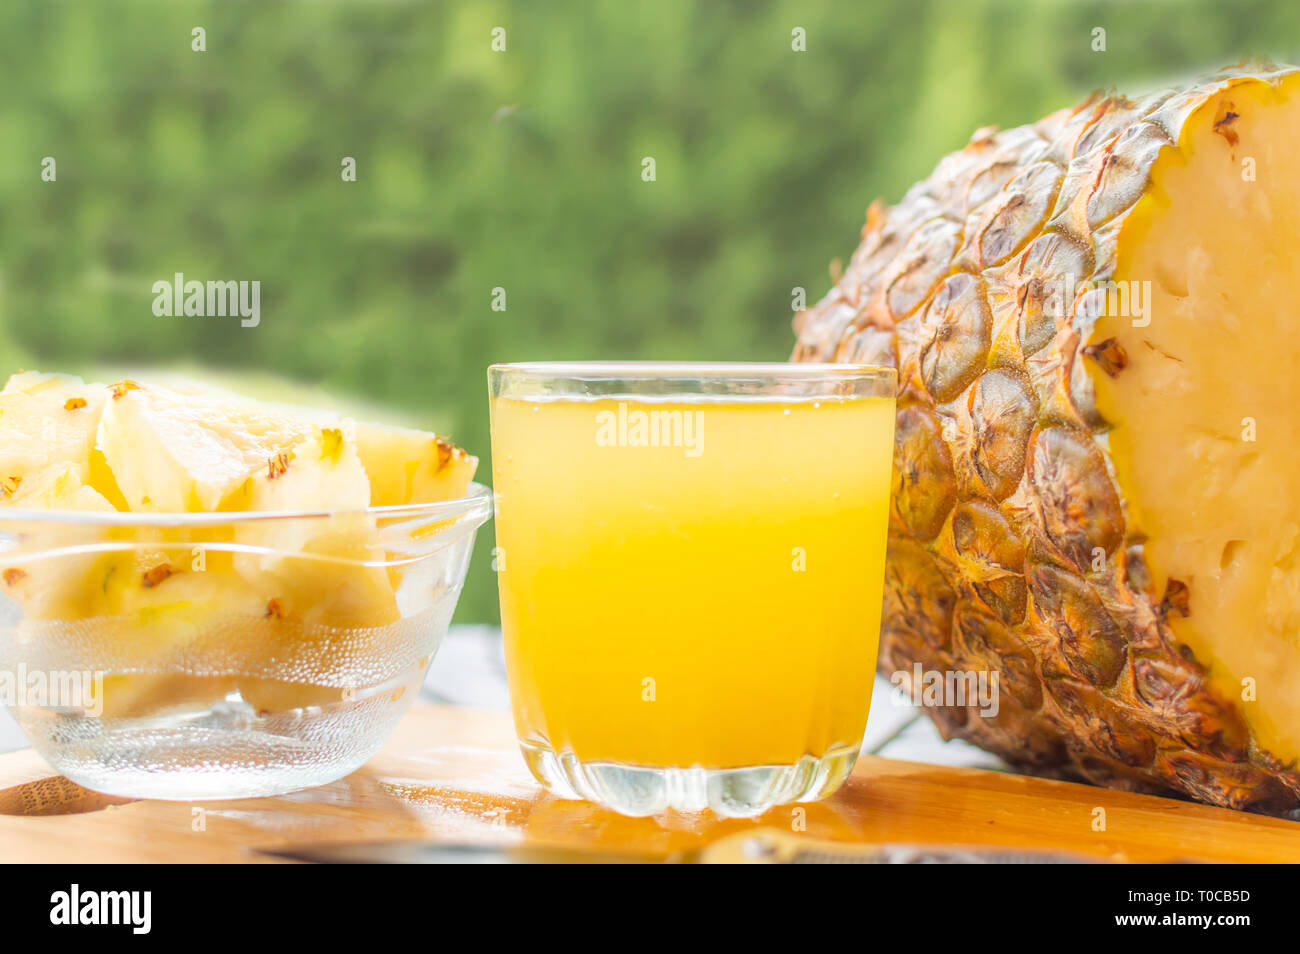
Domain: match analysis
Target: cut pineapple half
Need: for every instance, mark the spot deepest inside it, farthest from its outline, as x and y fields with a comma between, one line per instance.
x=1097, y=434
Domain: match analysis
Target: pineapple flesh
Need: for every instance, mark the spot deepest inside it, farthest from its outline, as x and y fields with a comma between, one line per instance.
x=409, y=466
x=1097, y=434
x=174, y=452
x=48, y=424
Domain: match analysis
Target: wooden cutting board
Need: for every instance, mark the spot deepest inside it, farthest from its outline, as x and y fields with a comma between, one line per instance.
x=454, y=774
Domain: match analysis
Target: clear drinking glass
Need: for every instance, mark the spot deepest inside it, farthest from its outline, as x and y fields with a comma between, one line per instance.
x=691, y=564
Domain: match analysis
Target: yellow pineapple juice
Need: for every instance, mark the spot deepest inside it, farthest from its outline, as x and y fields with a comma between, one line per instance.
x=710, y=601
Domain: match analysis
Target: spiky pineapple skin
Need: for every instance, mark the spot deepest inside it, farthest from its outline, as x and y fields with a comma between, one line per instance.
x=1009, y=547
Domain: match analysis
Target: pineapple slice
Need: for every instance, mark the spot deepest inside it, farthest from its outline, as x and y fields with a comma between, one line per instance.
x=313, y=563
x=315, y=568
x=57, y=487
x=175, y=452
x=158, y=590
x=408, y=466
x=60, y=587
x=322, y=472
x=47, y=423
x=165, y=611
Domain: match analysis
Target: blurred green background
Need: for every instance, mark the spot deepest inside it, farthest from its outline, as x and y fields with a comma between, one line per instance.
x=518, y=169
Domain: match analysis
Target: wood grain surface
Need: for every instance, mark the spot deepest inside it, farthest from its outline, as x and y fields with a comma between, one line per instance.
x=454, y=774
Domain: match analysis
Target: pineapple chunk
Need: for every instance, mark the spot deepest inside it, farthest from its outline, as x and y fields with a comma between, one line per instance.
x=408, y=466
x=313, y=567
x=172, y=606
x=168, y=612
x=54, y=587
x=47, y=424
x=135, y=695
x=189, y=452
x=321, y=472
x=57, y=487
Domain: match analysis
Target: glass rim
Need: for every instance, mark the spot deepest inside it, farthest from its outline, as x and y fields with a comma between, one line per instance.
x=691, y=370
x=476, y=503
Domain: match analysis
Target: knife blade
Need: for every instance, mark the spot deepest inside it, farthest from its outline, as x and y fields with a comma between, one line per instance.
x=761, y=846
x=415, y=851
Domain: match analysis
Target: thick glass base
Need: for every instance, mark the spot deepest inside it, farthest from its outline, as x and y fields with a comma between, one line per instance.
x=732, y=792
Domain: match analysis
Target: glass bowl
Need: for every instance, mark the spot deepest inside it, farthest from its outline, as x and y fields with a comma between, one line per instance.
x=223, y=655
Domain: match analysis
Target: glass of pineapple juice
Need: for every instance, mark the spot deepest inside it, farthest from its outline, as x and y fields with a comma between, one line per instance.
x=691, y=562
